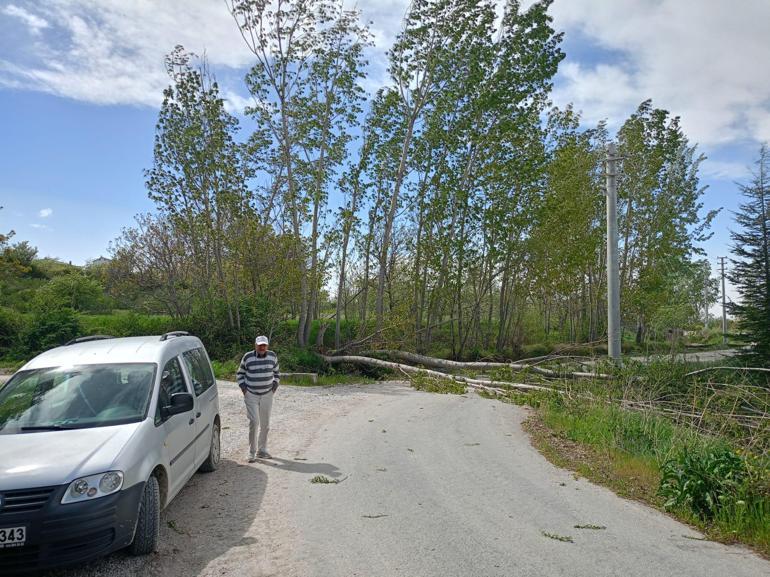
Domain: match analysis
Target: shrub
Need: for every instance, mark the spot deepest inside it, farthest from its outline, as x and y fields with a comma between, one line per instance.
x=51, y=329
x=127, y=325
x=11, y=324
x=225, y=370
x=536, y=350
x=702, y=481
x=300, y=360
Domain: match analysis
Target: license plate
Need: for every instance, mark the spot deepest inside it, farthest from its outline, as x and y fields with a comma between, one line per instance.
x=12, y=536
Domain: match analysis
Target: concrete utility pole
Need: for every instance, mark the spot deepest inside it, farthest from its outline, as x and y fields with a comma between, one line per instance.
x=613, y=273
x=724, y=304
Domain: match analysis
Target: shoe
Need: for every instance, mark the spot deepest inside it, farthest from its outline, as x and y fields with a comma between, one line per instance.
x=264, y=455
x=252, y=458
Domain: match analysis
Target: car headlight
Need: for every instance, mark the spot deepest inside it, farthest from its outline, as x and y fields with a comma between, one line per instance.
x=93, y=487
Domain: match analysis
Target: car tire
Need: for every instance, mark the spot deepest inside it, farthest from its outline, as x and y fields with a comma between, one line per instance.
x=148, y=521
x=212, y=461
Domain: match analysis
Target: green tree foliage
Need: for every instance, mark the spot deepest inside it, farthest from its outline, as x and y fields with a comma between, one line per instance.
x=453, y=211
x=659, y=204
x=750, y=272
x=50, y=328
x=75, y=291
x=11, y=325
x=306, y=88
x=199, y=175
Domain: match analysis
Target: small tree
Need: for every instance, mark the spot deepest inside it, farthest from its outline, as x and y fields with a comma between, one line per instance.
x=750, y=273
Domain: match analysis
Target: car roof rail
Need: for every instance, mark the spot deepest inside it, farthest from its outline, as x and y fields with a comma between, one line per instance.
x=167, y=336
x=88, y=338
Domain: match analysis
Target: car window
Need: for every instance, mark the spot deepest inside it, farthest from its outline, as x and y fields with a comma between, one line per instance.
x=199, y=368
x=172, y=382
x=76, y=396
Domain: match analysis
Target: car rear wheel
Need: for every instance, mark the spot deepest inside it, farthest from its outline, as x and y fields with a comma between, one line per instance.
x=212, y=461
x=148, y=521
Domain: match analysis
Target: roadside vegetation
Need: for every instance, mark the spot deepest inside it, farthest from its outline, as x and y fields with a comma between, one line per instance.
x=697, y=446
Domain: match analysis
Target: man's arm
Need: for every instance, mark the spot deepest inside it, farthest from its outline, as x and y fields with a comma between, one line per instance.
x=276, y=377
x=240, y=376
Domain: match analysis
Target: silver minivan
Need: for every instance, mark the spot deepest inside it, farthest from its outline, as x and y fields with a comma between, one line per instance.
x=96, y=438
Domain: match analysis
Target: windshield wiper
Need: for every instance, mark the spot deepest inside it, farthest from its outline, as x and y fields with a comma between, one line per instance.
x=47, y=428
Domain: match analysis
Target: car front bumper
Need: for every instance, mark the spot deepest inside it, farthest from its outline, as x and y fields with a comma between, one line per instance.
x=59, y=535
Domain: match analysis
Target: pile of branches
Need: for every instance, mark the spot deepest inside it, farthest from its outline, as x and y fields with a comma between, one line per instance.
x=546, y=379
x=707, y=402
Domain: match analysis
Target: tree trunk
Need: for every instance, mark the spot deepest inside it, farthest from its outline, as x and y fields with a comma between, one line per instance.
x=391, y=217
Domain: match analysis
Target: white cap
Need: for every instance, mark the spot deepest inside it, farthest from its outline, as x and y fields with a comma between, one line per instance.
x=261, y=340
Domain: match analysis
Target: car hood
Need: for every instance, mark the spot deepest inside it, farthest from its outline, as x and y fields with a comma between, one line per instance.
x=47, y=458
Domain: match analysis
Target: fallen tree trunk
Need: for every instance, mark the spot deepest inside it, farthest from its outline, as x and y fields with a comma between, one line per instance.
x=473, y=383
x=707, y=369
x=483, y=366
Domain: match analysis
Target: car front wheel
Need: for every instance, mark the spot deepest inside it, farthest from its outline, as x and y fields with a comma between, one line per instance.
x=212, y=461
x=148, y=521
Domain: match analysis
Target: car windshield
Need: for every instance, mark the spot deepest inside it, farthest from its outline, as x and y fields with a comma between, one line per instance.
x=76, y=397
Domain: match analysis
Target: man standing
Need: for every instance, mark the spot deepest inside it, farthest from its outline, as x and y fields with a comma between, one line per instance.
x=258, y=379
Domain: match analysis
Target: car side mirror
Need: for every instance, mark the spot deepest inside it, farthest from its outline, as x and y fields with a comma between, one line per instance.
x=179, y=403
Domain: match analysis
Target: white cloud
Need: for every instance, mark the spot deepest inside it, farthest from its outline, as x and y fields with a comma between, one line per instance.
x=725, y=170
x=703, y=61
x=235, y=103
x=34, y=23
x=45, y=213
x=112, y=51
x=599, y=93
x=40, y=226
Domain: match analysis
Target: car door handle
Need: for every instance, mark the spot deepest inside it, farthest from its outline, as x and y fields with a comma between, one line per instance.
x=198, y=414
x=191, y=421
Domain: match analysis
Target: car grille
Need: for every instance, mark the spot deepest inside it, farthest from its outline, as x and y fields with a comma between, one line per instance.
x=72, y=548
x=25, y=500
x=17, y=559
x=21, y=560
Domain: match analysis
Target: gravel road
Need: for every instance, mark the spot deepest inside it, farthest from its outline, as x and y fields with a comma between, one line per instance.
x=428, y=485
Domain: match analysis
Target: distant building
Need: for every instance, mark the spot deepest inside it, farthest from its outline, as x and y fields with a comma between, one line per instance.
x=101, y=261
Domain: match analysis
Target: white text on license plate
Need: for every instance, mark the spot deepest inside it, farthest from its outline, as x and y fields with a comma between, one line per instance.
x=12, y=536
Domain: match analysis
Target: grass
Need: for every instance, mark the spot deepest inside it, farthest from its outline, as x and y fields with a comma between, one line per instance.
x=626, y=451
x=323, y=480
x=225, y=370
x=328, y=380
x=554, y=536
x=434, y=385
x=10, y=366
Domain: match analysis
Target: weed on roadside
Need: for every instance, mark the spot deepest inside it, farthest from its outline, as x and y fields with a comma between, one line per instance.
x=323, y=480
x=435, y=385
x=563, y=538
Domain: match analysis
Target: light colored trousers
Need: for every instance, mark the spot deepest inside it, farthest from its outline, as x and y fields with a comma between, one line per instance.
x=258, y=409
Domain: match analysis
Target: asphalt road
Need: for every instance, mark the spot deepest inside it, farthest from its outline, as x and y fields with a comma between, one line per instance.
x=449, y=486
x=694, y=356
x=427, y=486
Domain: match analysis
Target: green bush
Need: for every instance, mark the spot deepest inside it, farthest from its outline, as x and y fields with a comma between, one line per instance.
x=51, y=329
x=225, y=370
x=300, y=360
x=127, y=325
x=11, y=325
x=536, y=350
x=702, y=481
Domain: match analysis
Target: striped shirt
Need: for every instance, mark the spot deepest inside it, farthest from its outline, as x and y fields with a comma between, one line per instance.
x=257, y=374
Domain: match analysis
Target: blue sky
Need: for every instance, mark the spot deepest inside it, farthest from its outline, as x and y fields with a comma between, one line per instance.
x=81, y=81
